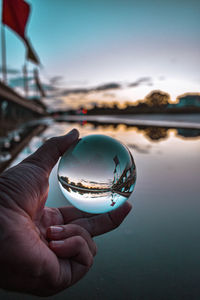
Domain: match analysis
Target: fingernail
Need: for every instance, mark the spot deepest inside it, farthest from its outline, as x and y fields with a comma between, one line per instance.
x=56, y=229
x=57, y=243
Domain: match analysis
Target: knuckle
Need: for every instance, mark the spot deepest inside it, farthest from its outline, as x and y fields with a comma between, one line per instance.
x=79, y=241
x=76, y=229
x=79, y=230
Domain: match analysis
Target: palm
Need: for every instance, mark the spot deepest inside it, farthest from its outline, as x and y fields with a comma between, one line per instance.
x=32, y=220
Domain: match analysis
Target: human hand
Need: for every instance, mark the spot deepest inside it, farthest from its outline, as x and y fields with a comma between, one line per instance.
x=45, y=250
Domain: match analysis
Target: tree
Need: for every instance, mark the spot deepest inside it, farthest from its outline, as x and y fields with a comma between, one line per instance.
x=157, y=99
x=156, y=133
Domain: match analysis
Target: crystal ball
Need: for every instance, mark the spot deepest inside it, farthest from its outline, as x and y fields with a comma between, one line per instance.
x=97, y=174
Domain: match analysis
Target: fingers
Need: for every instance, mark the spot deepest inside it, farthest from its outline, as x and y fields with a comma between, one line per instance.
x=96, y=224
x=70, y=213
x=74, y=247
x=75, y=259
x=48, y=154
x=100, y=224
x=61, y=232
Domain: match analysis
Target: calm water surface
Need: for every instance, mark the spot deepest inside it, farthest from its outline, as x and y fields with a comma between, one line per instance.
x=155, y=254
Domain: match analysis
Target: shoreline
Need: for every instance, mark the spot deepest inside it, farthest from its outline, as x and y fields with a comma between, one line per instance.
x=184, y=121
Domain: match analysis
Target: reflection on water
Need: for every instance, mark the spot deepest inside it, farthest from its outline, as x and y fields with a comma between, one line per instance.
x=98, y=174
x=188, y=133
x=154, y=133
x=13, y=140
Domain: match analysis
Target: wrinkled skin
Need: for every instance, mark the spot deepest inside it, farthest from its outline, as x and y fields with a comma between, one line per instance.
x=36, y=256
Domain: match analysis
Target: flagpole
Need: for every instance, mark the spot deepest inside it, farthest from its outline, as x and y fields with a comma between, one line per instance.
x=25, y=73
x=3, y=48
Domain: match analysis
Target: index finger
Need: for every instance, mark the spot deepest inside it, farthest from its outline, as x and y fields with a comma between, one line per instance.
x=103, y=223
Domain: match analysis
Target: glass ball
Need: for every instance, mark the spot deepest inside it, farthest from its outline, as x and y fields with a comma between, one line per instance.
x=97, y=174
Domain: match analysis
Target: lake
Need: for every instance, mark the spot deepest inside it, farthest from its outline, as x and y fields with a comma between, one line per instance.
x=155, y=253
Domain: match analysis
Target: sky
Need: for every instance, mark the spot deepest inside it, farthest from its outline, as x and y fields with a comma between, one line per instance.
x=87, y=43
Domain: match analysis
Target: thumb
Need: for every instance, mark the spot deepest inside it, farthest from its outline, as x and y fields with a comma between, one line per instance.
x=48, y=154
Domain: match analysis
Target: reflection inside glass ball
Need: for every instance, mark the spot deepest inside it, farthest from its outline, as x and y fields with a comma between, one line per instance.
x=97, y=175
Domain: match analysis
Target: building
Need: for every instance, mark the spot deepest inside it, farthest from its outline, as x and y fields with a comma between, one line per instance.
x=189, y=100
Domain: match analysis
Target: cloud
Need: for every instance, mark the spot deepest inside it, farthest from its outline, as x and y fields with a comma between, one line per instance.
x=67, y=92
x=18, y=81
x=108, y=86
x=56, y=80
x=104, y=87
x=46, y=87
x=10, y=71
x=77, y=82
x=142, y=80
x=55, y=83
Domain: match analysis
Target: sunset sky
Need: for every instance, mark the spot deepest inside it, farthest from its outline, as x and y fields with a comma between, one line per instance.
x=89, y=43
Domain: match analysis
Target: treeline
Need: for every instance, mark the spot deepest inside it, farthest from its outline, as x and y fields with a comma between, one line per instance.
x=155, y=102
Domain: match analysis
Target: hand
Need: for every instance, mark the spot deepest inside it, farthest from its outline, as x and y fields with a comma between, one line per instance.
x=45, y=250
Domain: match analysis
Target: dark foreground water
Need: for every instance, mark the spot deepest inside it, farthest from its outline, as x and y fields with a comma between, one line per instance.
x=155, y=254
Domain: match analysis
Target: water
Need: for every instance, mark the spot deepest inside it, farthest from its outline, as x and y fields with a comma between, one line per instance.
x=154, y=254
x=98, y=174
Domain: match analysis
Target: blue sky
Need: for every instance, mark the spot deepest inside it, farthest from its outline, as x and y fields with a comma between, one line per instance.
x=92, y=42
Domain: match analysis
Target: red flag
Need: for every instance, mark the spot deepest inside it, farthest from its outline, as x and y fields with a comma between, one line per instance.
x=15, y=15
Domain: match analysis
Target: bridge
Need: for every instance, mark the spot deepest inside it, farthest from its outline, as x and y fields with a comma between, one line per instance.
x=12, y=97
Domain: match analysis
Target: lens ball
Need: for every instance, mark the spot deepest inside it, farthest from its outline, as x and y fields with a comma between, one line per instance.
x=97, y=174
